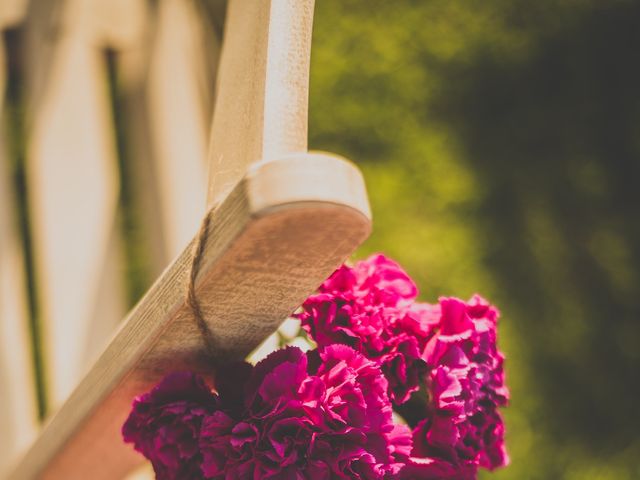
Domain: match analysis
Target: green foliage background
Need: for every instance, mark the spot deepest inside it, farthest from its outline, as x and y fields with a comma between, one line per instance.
x=500, y=141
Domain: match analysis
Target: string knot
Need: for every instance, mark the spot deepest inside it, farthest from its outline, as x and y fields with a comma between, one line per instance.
x=192, y=300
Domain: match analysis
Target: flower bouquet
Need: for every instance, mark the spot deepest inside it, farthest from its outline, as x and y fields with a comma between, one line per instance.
x=395, y=389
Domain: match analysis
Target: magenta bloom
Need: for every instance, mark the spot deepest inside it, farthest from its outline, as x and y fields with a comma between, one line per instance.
x=466, y=386
x=164, y=425
x=327, y=414
x=371, y=307
x=303, y=421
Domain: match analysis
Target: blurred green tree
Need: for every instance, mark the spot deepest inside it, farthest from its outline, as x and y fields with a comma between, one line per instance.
x=500, y=141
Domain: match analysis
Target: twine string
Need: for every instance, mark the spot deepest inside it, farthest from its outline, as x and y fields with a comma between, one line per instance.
x=192, y=300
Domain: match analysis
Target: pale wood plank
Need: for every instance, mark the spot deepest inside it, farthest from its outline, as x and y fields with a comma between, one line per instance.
x=178, y=94
x=18, y=415
x=267, y=248
x=265, y=71
x=117, y=24
x=139, y=164
x=262, y=91
x=167, y=81
x=73, y=193
x=12, y=13
x=108, y=302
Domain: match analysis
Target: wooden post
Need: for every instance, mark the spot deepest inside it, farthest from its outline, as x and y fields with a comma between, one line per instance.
x=263, y=88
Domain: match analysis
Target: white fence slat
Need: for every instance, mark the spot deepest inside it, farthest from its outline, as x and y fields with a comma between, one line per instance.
x=12, y=12
x=73, y=192
x=177, y=114
x=18, y=415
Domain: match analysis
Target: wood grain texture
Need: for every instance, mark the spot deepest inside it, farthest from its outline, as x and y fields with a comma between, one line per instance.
x=262, y=88
x=269, y=245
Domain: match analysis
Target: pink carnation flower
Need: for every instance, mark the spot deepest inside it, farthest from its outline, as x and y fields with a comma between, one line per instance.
x=164, y=425
x=466, y=387
x=330, y=419
x=371, y=307
x=328, y=414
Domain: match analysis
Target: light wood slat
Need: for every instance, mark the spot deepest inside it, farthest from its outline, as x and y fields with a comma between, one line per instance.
x=178, y=108
x=267, y=248
x=139, y=164
x=108, y=301
x=73, y=193
x=117, y=24
x=18, y=414
x=262, y=92
x=166, y=89
x=11, y=13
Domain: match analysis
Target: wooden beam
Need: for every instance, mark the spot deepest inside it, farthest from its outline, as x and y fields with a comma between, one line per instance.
x=283, y=229
x=262, y=88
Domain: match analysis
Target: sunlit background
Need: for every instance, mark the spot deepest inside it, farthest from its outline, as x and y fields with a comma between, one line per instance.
x=500, y=142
